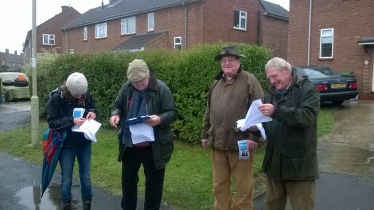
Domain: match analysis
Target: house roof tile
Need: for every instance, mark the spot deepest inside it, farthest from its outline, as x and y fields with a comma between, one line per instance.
x=119, y=9
x=274, y=10
x=138, y=41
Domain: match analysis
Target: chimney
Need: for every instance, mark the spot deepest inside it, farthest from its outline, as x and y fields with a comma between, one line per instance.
x=7, y=51
x=64, y=8
x=15, y=52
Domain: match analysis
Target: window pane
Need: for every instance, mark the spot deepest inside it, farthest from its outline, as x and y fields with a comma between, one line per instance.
x=326, y=50
x=45, y=39
x=242, y=23
x=236, y=19
x=327, y=32
x=325, y=40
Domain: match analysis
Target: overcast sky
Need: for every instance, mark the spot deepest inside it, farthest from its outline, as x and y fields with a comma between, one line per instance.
x=16, y=17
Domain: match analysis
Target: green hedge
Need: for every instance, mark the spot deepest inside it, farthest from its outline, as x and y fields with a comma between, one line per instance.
x=188, y=73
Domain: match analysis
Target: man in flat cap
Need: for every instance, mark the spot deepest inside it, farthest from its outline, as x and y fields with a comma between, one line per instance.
x=229, y=99
x=142, y=95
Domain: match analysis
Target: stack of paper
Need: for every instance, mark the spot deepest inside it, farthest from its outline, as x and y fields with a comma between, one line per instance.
x=89, y=128
x=254, y=117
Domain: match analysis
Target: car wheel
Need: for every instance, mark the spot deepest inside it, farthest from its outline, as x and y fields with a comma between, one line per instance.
x=337, y=103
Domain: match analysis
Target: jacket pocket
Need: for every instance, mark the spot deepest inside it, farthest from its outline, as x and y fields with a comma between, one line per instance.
x=266, y=165
x=166, y=144
x=293, y=168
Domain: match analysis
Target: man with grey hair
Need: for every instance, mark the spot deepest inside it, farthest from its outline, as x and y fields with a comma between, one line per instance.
x=290, y=162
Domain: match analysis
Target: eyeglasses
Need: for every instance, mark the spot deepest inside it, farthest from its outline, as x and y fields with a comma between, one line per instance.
x=230, y=61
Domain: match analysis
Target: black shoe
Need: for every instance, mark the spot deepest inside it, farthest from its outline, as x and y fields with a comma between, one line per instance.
x=87, y=205
x=66, y=206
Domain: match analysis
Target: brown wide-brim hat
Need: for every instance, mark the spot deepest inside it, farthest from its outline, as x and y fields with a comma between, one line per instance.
x=229, y=51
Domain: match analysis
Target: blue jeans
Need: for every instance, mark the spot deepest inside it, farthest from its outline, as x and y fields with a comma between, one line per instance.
x=67, y=159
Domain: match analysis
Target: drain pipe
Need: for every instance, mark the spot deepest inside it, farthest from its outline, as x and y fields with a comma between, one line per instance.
x=185, y=24
x=310, y=28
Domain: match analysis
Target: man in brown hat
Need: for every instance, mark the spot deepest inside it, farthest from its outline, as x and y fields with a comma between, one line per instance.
x=229, y=99
x=141, y=95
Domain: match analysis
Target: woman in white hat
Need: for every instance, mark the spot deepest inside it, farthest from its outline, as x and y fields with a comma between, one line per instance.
x=73, y=94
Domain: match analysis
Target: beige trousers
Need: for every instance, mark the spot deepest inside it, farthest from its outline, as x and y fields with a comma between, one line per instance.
x=300, y=193
x=227, y=164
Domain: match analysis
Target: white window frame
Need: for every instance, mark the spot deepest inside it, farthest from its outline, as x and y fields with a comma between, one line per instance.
x=125, y=25
x=331, y=36
x=85, y=33
x=242, y=16
x=177, y=45
x=49, y=39
x=102, y=27
x=151, y=21
x=72, y=51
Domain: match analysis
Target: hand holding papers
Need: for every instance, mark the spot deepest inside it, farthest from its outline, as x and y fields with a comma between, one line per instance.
x=140, y=132
x=254, y=117
x=89, y=128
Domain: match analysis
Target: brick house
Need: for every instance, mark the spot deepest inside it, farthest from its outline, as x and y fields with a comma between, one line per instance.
x=341, y=36
x=49, y=35
x=176, y=24
x=11, y=62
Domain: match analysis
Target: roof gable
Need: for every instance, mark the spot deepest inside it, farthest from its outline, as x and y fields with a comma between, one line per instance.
x=119, y=9
x=274, y=10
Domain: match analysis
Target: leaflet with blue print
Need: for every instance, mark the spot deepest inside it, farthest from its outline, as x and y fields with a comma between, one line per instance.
x=244, y=154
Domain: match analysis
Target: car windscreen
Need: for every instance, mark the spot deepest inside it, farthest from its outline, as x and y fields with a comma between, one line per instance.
x=320, y=72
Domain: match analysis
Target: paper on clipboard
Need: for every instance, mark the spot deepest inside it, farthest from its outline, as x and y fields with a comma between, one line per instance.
x=141, y=132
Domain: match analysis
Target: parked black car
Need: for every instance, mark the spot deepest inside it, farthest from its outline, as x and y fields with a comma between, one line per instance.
x=332, y=86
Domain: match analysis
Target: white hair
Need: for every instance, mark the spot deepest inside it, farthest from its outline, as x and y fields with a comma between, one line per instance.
x=279, y=63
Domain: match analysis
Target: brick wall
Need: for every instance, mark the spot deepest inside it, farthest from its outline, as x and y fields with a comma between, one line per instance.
x=274, y=33
x=351, y=21
x=219, y=21
x=52, y=26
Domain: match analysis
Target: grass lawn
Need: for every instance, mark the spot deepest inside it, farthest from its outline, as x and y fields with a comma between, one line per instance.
x=188, y=182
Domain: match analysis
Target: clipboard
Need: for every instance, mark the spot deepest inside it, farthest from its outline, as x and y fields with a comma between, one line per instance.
x=136, y=120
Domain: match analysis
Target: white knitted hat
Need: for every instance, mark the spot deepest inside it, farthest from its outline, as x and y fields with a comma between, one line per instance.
x=77, y=83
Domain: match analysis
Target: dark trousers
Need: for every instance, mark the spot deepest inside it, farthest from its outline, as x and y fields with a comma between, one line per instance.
x=154, y=179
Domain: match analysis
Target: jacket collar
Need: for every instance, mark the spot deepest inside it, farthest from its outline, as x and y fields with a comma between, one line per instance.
x=297, y=81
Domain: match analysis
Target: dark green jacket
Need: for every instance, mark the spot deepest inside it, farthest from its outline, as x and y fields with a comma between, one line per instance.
x=160, y=103
x=291, y=150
